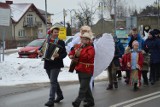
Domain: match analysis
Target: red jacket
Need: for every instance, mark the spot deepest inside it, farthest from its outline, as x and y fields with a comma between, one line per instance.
x=123, y=62
x=127, y=59
x=86, y=59
x=140, y=59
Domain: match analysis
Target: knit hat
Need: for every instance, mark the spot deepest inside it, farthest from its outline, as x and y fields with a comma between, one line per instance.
x=135, y=43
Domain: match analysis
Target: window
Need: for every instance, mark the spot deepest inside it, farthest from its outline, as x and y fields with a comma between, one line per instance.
x=30, y=19
x=21, y=33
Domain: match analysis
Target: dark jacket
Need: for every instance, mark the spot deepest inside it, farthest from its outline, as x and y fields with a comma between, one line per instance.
x=119, y=51
x=57, y=62
x=153, y=47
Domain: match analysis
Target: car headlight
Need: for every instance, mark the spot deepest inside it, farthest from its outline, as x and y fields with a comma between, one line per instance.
x=31, y=51
x=19, y=51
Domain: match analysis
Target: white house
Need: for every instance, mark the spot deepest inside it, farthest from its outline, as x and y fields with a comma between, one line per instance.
x=27, y=22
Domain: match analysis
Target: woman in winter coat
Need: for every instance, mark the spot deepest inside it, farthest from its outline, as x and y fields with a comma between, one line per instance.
x=152, y=46
x=85, y=53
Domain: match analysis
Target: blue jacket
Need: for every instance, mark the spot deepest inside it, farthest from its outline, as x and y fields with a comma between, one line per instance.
x=153, y=47
x=119, y=51
x=139, y=39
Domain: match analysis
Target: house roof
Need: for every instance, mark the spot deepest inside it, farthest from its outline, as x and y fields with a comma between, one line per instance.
x=4, y=5
x=43, y=12
x=18, y=10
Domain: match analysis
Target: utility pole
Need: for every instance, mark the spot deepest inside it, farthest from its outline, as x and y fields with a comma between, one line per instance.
x=72, y=10
x=115, y=18
x=102, y=6
x=46, y=15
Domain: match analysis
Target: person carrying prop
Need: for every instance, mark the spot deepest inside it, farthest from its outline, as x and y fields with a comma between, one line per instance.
x=53, y=67
x=77, y=40
x=85, y=66
x=134, y=64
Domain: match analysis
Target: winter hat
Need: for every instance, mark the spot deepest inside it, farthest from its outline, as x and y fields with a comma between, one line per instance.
x=51, y=29
x=156, y=31
x=87, y=35
x=153, y=33
x=135, y=43
x=87, y=29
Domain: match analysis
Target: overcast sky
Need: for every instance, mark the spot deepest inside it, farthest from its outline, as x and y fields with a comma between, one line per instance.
x=56, y=6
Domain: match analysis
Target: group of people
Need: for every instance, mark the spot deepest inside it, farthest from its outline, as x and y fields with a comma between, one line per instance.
x=82, y=49
x=136, y=59
x=142, y=54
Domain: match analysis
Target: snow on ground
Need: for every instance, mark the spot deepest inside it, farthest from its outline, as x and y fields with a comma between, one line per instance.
x=15, y=71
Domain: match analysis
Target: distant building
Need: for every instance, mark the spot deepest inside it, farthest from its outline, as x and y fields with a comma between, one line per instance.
x=27, y=22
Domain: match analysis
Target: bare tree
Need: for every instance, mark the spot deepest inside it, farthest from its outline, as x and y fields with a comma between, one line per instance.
x=85, y=14
x=108, y=7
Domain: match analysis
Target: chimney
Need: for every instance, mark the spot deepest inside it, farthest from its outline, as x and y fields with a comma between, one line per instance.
x=9, y=2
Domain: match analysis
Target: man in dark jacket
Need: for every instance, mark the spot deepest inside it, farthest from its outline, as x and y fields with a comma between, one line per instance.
x=152, y=45
x=53, y=67
x=115, y=64
x=157, y=34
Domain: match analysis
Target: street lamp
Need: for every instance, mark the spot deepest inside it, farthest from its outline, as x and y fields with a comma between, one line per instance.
x=102, y=6
x=72, y=10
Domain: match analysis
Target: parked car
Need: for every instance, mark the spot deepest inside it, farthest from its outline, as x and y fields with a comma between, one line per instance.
x=68, y=40
x=30, y=51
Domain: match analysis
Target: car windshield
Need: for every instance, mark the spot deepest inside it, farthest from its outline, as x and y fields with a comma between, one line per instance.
x=68, y=41
x=36, y=43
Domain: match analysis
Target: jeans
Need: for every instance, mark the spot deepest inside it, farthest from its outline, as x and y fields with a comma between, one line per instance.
x=55, y=87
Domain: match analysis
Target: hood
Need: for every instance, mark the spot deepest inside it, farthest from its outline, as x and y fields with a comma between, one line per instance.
x=29, y=48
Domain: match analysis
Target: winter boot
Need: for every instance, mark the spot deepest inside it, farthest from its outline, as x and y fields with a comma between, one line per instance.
x=75, y=104
x=110, y=87
x=58, y=99
x=49, y=103
x=115, y=84
x=135, y=88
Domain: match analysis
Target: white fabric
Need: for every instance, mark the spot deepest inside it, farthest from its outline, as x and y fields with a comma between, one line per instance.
x=91, y=83
x=75, y=40
x=145, y=35
x=104, y=53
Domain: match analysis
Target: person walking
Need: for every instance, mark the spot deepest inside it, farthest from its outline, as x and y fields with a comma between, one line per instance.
x=134, y=63
x=53, y=67
x=85, y=53
x=115, y=64
x=152, y=46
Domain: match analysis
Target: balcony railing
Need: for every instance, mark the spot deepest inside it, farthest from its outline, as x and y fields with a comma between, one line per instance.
x=32, y=24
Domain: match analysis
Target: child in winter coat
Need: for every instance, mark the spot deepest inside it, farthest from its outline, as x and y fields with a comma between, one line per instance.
x=134, y=62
